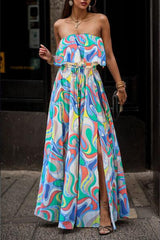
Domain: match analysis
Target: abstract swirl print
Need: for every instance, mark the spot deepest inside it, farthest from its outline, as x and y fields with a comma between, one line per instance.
x=78, y=110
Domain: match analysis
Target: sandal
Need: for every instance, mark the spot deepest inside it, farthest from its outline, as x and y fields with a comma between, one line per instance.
x=110, y=228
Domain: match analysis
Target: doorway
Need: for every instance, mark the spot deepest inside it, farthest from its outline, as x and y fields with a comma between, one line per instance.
x=130, y=33
x=25, y=80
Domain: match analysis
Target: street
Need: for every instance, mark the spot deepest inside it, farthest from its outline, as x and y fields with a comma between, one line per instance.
x=19, y=191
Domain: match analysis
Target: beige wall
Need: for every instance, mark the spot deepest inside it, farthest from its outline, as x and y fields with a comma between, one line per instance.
x=56, y=7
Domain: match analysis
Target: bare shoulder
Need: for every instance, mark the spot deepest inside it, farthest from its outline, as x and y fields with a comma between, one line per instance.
x=58, y=23
x=103, y=18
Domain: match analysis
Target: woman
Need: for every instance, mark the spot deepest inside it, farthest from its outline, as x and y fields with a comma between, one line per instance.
x=82, y=180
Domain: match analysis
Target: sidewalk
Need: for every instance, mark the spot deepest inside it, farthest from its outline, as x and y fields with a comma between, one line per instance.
x=19, y=191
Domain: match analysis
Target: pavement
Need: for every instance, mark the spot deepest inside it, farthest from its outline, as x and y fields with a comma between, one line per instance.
x=18, y=198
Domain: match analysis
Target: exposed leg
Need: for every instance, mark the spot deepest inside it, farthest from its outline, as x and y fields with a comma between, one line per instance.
x=104, y=207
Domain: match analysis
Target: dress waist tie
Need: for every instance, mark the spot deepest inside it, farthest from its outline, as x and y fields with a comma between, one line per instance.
x=81, y=64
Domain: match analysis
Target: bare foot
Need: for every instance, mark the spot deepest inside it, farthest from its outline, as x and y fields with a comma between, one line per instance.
x=104, y=218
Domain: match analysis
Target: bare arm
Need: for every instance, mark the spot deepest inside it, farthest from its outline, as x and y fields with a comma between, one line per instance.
x=110, y=58
x=44, y=53
x=56, y=31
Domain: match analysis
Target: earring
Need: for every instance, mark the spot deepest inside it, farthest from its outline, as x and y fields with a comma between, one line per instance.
x=89, y=7
x=70, y=3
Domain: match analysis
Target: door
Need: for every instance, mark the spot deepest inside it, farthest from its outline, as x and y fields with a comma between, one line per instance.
x=130, y=33
x=25, y=82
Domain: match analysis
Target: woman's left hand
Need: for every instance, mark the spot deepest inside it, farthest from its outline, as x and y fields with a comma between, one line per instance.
x=122, y=95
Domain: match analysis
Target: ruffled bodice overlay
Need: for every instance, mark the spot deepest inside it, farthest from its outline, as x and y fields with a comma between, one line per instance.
x=76, y=48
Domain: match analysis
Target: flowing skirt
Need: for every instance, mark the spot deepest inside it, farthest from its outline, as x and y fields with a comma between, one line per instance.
x=69, y=183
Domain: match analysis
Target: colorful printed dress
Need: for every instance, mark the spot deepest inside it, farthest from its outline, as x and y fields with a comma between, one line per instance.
x=69, y=184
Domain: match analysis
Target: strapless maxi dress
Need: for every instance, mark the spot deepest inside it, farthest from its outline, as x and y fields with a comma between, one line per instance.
x=78, y=109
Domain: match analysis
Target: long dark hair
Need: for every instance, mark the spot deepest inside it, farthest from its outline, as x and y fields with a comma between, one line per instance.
x=66, y=12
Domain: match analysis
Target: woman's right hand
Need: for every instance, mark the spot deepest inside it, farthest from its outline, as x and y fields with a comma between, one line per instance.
x=44, y=53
